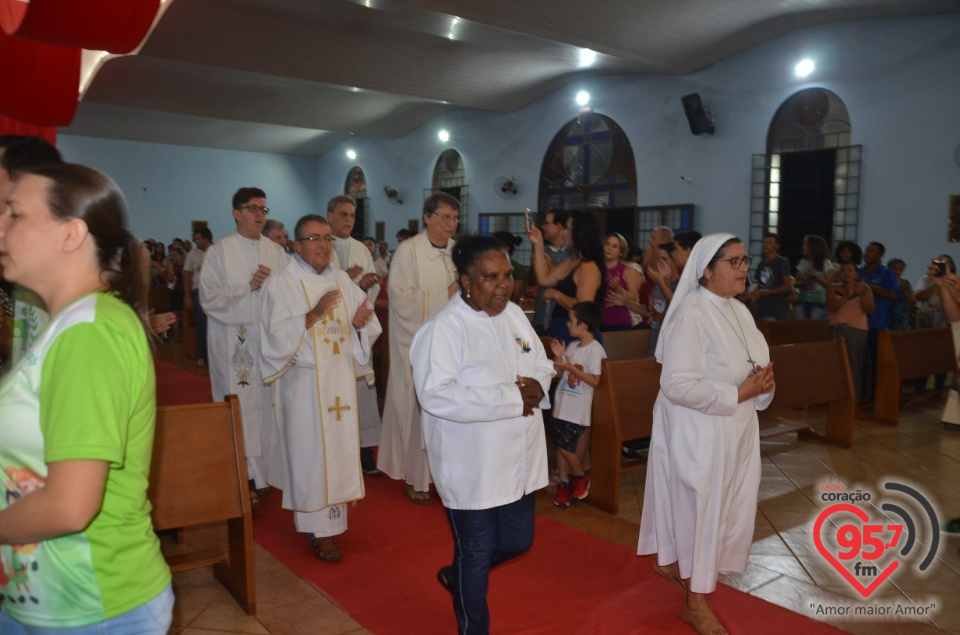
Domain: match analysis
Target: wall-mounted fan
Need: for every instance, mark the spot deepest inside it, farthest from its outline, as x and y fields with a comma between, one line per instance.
x=392, y=195
x=506, y=186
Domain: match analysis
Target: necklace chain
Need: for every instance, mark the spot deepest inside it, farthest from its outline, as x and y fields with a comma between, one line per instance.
x=740, y=336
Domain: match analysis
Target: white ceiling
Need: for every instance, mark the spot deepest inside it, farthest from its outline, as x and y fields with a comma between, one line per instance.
x=299, y=76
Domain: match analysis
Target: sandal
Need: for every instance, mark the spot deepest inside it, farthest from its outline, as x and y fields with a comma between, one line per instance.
x=255, y=500
x=326, y=549
x=703, y=623
x=418, y=498
x=664, y=572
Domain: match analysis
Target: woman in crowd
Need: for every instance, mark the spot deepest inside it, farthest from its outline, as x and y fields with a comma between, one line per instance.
x=703, y=474
x=905, y=301
x=847, y=251
x=577, y=279
x=158, y=265
x=482, y=377
x=814, y=274
x=849, y=302
x=77, y=421
x=510, y=241
x=623, y=284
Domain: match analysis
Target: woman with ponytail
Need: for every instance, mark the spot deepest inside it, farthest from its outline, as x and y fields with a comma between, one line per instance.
x=77, y=417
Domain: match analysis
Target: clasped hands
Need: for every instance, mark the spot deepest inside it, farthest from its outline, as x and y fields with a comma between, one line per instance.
x=759, y=382
x=531, y=392
x=330, y=301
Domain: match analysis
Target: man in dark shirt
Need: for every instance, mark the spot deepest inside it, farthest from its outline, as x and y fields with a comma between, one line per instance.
x=774, y=283
x=883, y=283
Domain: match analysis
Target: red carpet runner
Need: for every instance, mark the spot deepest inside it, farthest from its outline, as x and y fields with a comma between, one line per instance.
x=570, y=582
x=176, y=386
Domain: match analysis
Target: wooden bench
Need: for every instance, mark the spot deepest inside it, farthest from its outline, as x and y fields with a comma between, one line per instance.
x=622, y=411
x=812, y=374
x=794, y=331
x=904, y=355
x=199, y=476
x=618, y=345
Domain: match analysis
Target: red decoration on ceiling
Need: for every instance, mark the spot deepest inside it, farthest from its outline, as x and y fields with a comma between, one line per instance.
x=116, y=26
x=12, y=126
x=40, y=82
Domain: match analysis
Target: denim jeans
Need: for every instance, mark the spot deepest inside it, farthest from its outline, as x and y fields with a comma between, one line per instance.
x=150, y=618
x=201, y=325
x=483, y=539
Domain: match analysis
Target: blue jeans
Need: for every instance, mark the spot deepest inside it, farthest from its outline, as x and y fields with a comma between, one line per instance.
x=150, y=618
x=201, y=325
x=483, y=539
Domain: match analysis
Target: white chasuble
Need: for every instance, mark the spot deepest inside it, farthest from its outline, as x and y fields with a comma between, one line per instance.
x=233, y=330
x=315, y=451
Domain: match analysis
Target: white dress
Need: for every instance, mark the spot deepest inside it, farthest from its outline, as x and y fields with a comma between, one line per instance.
x=483, y=452
x=703, y=473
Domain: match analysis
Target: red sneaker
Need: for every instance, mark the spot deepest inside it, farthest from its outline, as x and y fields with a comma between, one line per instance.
x=580, y=487
x=563, y=495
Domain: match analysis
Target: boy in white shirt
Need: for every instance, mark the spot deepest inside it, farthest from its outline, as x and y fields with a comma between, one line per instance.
x=573, y=400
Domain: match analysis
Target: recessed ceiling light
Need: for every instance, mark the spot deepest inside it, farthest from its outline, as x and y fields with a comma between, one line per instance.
x=444, y=136
x=804, y=68
x=583, y=98
x=351, y=155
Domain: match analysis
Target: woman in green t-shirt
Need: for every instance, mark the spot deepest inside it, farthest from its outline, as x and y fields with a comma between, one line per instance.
x=77, y=413
x=814, y=274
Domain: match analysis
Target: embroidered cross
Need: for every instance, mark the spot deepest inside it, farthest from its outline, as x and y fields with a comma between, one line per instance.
x=338, y=409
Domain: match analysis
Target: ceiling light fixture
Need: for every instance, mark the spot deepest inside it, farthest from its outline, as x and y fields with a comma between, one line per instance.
x=351, y=154
x=804, y=68
x=583, y=98
x=444, y=136
x=587, y=57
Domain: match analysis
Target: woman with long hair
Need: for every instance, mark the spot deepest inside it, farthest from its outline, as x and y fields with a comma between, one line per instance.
x=814, y=274
x=577, y=279
x=850, y=301
x=77, y=417
x=623, y=284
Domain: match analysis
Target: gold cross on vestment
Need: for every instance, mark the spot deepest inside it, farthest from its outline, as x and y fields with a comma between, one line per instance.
x=338, y=409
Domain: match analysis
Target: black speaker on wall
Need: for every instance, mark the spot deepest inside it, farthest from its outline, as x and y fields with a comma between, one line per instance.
x=697, y=116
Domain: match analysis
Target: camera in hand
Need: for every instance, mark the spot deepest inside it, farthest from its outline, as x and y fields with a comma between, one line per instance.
x=941, y=266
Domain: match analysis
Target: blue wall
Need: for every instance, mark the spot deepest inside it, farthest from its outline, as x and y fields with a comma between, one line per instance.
x=168, y=186
x=900, y=81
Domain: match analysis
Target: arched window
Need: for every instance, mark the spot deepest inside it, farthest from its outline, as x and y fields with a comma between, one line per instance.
x=808, y=182
x=356, y=186
x=450, y=176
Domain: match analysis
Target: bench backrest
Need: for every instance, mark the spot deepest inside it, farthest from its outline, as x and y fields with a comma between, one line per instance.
x=626, y=344
x=811, y=373
x=923, y=352
x=794, y=331
x=198, y=474
x=631, y=389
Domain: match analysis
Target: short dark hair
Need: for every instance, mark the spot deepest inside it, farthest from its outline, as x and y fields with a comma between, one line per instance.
x=880, y=246
x=405, y=233
x=588, y=313
x=342, y=198
x=773, y=235
x=244, y=194
x=668, y=247
x=467, y=251
x=370, y=238
x=22, y=153
x=303, y=221
x=433, y=203
x=897, y=261
x=687, y=239
x=560, y=216
x=509, y=240
x=204, y=232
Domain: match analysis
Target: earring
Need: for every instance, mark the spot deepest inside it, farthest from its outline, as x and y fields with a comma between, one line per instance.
x=468, y=294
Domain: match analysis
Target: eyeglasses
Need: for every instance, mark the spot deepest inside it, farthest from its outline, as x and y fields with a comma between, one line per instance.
x=313, y=237
x=447, y=218
x=735, y=263
x=256, y=209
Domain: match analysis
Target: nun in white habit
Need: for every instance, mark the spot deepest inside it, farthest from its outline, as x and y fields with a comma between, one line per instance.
x=703, y=472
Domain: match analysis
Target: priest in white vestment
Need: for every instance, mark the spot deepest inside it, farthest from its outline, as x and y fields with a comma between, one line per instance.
x=316, y=324
x=354, y=258
x=703, y=472
x=233, y=273
x=422, y=278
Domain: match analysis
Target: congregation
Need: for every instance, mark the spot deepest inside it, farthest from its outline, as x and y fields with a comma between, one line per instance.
x=291, y=325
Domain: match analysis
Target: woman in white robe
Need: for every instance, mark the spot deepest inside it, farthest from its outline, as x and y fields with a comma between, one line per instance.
x=703, y=473
x=482, y=377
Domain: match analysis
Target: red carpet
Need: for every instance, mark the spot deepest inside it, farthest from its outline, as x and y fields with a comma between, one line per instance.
x=176, y=386
x=570, y=582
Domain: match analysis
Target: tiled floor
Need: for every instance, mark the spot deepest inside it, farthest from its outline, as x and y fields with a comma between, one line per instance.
x=784, y=567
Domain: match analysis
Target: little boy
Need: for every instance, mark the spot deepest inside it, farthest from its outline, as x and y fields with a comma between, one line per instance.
x=580, y=363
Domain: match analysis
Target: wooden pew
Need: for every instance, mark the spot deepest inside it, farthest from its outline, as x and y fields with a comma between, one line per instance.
x=619, y=345
x=622, y=411
x=904, y=355
x=794, y=331
x=810, y=374
x=199, y=476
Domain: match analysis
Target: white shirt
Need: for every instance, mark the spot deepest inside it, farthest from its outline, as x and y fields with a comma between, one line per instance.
x=574, y=403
